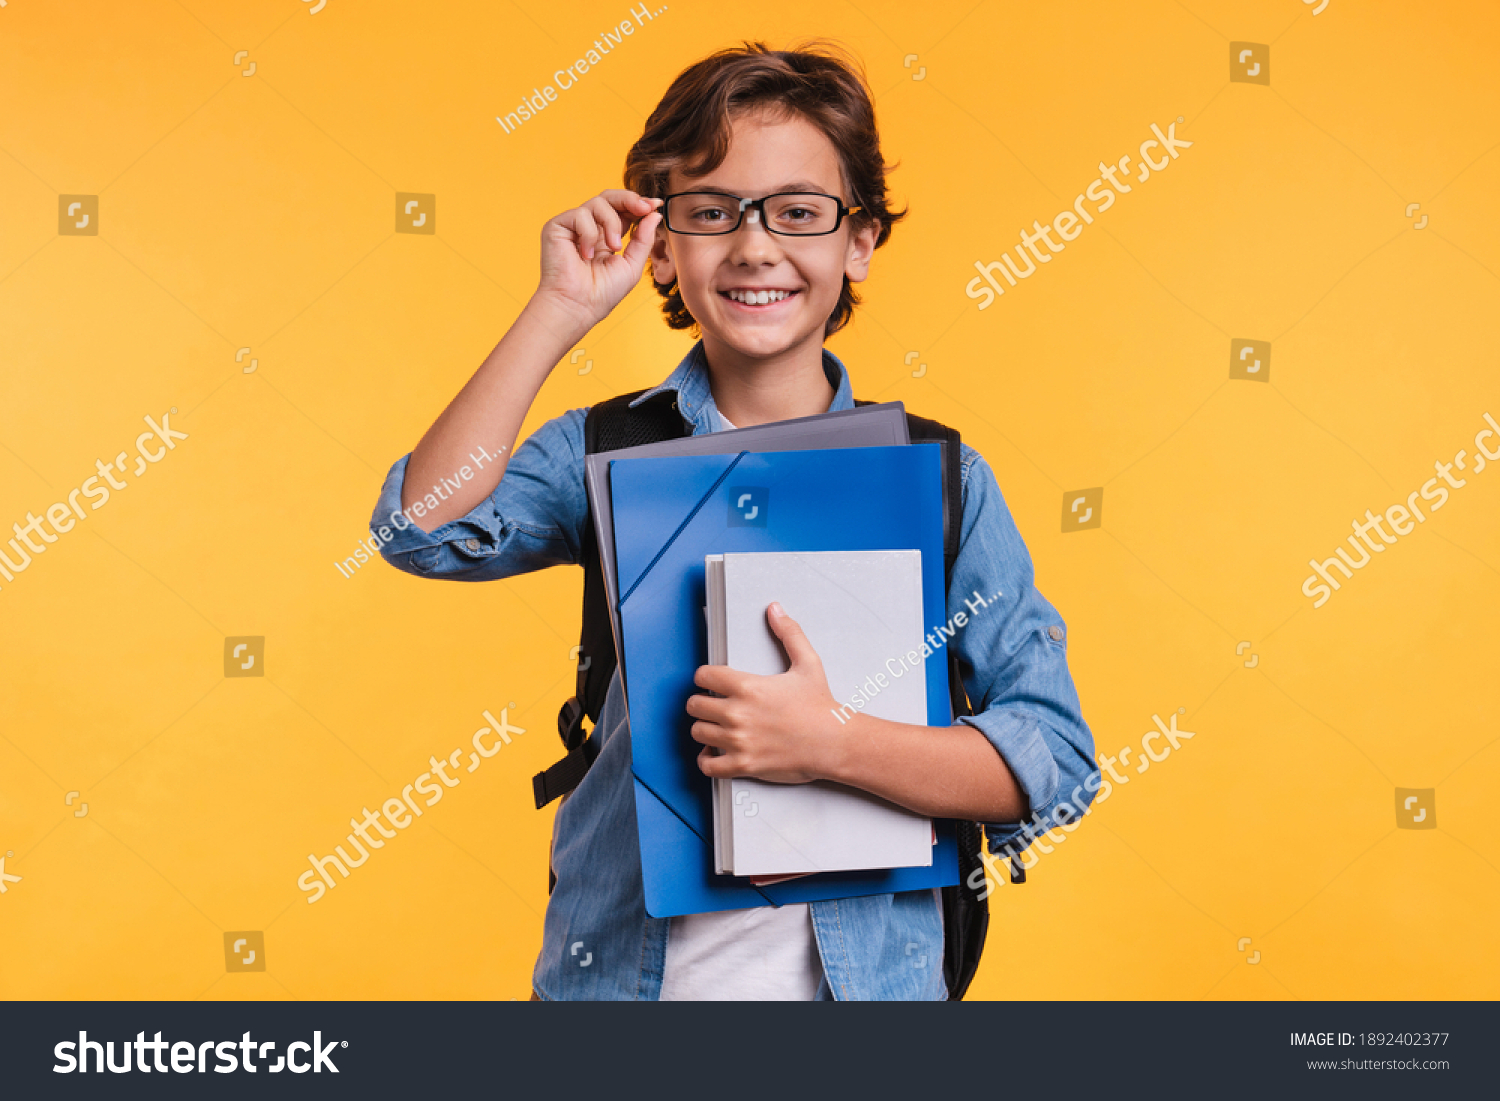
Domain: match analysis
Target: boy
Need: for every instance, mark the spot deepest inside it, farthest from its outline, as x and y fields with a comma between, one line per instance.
x=757, y=192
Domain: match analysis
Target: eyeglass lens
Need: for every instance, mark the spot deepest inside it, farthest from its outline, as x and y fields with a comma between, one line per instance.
x=789, y=213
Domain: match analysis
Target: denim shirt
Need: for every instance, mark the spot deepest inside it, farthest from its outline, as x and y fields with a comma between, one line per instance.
x=598, y=941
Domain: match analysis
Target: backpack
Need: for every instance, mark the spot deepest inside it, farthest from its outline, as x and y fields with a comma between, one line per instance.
x=613, y=424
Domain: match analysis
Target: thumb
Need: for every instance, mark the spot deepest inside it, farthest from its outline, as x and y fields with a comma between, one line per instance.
x=641, y=240
x=798, y=647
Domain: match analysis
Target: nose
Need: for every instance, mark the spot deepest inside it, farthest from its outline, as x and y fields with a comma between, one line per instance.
x=752, y=243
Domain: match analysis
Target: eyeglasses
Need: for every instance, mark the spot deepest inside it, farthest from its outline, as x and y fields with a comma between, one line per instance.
x=791, y=213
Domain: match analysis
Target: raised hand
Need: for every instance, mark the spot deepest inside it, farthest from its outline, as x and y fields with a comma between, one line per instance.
x=586, y=266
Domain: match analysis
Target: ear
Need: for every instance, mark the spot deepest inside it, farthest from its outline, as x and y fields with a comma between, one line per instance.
x=861, y=248
x=663, y=267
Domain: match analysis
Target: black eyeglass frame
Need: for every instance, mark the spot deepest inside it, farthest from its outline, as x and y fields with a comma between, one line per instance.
x=759, y=205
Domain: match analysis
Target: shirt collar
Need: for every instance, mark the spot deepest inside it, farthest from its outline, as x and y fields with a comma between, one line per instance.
x=695, y=400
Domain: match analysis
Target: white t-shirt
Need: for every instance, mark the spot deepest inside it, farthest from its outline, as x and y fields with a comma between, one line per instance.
x=766, y=953
x=763, y=954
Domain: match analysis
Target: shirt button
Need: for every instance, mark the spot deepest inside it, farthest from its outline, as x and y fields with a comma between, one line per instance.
x=473, y=545
x=1055, y=633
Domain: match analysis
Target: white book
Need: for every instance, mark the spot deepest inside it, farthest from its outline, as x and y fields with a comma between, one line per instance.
x=713, y=611
x=862, y=612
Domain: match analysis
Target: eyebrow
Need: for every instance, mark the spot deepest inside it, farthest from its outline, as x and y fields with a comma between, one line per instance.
x=792, y=185
x=802, y=185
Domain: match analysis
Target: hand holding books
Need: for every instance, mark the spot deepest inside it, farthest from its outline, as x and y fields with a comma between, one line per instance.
x=758, y=723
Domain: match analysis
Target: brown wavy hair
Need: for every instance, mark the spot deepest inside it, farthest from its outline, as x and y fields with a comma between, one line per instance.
x=690, y=131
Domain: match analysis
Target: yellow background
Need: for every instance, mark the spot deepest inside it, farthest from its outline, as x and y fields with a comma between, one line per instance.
x=258, y=211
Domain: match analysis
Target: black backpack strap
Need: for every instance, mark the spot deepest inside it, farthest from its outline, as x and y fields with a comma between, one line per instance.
x=922, y=430
x=966, y=912
x=566, y=774
x=608, y=426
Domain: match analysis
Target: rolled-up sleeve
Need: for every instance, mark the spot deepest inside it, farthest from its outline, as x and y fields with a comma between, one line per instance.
x=1012, y=654
x=533, y=519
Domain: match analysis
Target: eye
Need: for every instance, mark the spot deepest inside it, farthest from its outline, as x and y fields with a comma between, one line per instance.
x=803, y=213
x=703, y=210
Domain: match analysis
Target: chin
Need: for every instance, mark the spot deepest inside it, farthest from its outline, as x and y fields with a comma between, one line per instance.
x=760, y=344
x=762, y=340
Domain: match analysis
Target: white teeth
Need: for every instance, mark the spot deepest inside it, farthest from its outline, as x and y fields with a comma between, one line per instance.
x=758, y=298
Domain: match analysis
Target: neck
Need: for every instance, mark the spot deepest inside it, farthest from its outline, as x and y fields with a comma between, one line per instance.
x=753, y=390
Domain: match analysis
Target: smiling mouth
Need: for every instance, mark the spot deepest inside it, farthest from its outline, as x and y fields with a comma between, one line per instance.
x=758, y=300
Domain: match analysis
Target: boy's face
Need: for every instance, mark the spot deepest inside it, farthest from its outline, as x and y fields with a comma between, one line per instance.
x=765, y=156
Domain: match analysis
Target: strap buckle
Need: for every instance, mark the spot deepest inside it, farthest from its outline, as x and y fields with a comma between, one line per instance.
x=570, y=724
x=566, y=774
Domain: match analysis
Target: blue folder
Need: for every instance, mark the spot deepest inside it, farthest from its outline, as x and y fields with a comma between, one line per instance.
x=668, y=514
